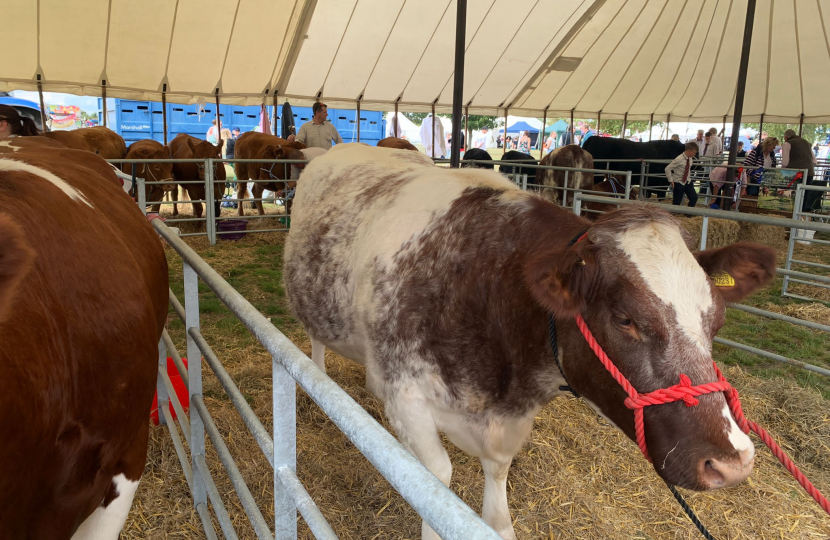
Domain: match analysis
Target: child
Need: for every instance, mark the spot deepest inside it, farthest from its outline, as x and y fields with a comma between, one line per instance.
x=678, y=174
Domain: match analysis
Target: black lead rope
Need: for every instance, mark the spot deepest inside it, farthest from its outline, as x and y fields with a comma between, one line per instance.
x=568, y=388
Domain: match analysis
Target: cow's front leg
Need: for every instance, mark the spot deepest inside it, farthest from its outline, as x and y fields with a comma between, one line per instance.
x=495, y=510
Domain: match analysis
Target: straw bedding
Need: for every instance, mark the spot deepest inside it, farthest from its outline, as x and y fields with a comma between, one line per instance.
x=576, y=478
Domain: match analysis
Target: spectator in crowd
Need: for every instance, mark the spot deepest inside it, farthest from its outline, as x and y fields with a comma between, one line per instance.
x=12, y=124
x=508, y=143
x=317, y=133
x=741, y=151
x=797, y=154
x=428, y=127
x=212, y=135
x=678, y=174
x=759, y=159
x=675, y=137
x=481, y=139
x=566, y=137
x=716, y=141
x=699, y=139
x=550, y=143
x=524, y=142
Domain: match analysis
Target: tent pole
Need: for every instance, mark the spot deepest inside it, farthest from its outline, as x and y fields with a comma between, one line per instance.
x=504, y=140
x=42, y=106
x=395, y=126
x=666, y=130
x=599, y=121
x=104, y=100
x=761, y=129
x=651, y=127
x=164, y=111
x=542, y=138
x=458, y=83
x=218, y=120
x=800, y=124
x=274, y=114
x=723, y=129
x=358, y=118
x=432, y=128
x=625, y=122
x=571, y=128
x=742, y=70
x=466, y=128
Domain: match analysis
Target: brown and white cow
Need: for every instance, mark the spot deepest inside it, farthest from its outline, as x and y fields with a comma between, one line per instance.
x=395, y=142
x=255, y=145
x=566, y=156
x=98, y=140
x=151, y=172
x=441, y=281
x=184, y=146
x=83, y=301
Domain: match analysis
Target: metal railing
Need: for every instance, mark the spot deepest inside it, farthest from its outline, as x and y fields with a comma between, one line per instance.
x=436, y=504
x=786, y=272
x=815, y=280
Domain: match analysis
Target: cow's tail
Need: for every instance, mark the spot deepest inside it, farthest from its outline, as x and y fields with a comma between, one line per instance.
x=16, y=258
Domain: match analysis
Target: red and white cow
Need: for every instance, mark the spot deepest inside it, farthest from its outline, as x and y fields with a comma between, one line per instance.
x=83, y=301
x=573, y=156
x=441, y=281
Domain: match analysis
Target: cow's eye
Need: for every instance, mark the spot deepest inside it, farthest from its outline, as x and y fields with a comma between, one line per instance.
x=625, y=322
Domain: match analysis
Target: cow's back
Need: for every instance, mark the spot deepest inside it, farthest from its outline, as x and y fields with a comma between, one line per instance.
x=79, y=353
x=571, y=156
x=252, y=145
x=98, y=140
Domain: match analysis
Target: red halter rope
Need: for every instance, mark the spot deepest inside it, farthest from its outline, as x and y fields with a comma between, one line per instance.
x=684, y=391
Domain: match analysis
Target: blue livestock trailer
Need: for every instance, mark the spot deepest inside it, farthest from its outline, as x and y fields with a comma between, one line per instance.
x=137, y=120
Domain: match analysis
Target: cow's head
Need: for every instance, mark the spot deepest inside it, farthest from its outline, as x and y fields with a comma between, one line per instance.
x=161, y=171
x=203, y=150
x=279, y=171
x=654, y=308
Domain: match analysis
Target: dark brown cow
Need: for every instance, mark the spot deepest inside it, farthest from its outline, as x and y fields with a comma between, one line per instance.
x=445, y=298
x=566, y=156
x=611, y=187
x=83, y=301
x=255, y=145
x=151, y=172
x=186, y=147
x=98, y=140
x=394, y=142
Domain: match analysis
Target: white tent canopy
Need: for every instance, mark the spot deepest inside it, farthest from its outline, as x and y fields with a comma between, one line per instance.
x=674, y=59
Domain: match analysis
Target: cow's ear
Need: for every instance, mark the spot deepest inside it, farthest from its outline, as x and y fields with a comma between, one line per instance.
x=167, y=150
x=563, y=283
x=740, y=269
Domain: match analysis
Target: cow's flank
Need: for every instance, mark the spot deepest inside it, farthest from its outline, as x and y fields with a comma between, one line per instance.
x=445, y=299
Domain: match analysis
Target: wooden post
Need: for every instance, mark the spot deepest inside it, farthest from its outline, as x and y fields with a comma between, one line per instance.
x=396, y=128
x=800, y=124
x=572, y=127
x=651, y=127
x=599, y=120
x=458, y=81
x=668, y=121
x=164, y=111
x=104, y=100
x=761, y=130
x=42, y=105
x=543, y=138
x=625, y=122
x=467, y=128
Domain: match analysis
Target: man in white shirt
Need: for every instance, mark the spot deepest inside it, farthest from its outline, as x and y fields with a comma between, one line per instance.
x=678, y=175
x=716, y=142
x=317, y=133
x=481, y=139
x=427, y=128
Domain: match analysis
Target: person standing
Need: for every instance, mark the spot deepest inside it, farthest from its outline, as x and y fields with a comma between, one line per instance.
x=428, y=128
x=566, y=138
x=12, y=124
x=699, y=139
x=480, y=140
x=317, y=133
x=796, y=153
x=678, y=174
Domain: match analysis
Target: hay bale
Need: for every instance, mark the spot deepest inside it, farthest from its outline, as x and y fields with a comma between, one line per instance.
x=769, y=235
x=721, y=232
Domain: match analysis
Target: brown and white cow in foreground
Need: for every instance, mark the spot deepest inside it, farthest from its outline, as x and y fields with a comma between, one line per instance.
x=441, y=281
x=83, y=301
x=573, y=156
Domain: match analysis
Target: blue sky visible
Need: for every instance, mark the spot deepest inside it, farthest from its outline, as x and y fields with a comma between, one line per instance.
x=88, y=104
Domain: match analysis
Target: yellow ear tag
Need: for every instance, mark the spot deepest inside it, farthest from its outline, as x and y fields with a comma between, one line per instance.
x=722, y=279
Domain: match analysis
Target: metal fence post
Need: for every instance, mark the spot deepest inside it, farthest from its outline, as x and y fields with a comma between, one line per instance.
x=524, y=182
x=704, y=230
x=799, y=198
x=565, y=192
x=135, y=188
x=285, y=449
x=194, y=380
x=210, y=217
x=163, y=398
x=627, y=185
x=578, y=203
x=141, y=191
x=642, y=179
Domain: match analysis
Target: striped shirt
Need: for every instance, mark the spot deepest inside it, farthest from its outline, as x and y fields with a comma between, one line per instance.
x=318, y=135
